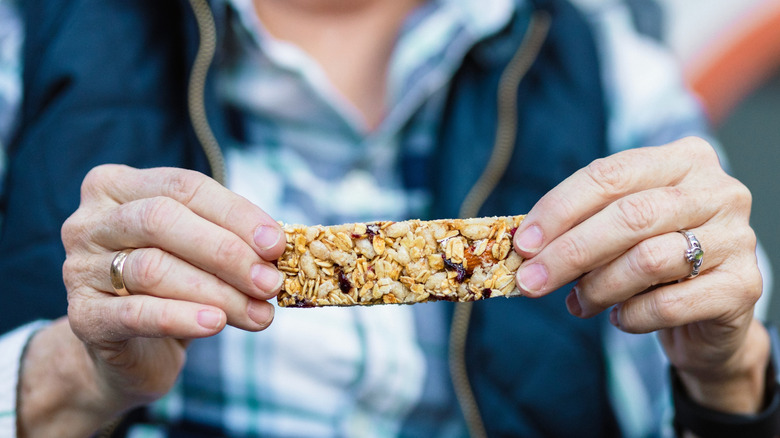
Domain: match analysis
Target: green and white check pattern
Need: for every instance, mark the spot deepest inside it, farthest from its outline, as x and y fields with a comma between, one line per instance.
x=11, y=37
x=306, y=156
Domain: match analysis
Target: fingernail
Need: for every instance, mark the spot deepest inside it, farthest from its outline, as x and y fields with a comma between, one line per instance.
x=266, y=277
x=530, y=239
x=573, y=303
x=613, y=317
x=209, y=319
x=260, y=313
x=532, y=278
x=266, y=236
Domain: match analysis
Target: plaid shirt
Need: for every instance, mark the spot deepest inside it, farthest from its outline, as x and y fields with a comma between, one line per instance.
x=307, y=156
x=11, y=36
x=381, y=371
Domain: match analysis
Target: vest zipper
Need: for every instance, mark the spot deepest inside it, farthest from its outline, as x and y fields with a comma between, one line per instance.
x=196, y=101
x=506, y=133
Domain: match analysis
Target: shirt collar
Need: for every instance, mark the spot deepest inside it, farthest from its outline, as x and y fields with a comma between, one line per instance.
x=431, y=45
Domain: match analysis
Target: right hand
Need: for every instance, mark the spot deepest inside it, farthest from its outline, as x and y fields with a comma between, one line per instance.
x=201, y=258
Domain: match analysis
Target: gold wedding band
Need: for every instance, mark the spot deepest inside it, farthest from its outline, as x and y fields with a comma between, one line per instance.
x=117, y=272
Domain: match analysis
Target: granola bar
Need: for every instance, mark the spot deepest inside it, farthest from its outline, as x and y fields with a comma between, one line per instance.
x=399, y=262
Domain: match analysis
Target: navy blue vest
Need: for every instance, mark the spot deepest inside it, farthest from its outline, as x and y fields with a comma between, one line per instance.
x=536, y=370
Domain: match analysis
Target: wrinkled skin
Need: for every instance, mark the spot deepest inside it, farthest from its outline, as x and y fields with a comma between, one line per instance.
x=613, y=226
x=201, y=260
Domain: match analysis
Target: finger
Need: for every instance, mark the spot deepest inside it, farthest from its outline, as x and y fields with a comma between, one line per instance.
x=196, y=191
x=150, y=271
x=602, y=182
x=112, y=319
x=611, y=232
x=716, y=295
x=652, y=262
x=164, y=223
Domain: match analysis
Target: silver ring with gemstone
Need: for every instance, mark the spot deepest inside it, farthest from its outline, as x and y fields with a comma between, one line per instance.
x=694, y=254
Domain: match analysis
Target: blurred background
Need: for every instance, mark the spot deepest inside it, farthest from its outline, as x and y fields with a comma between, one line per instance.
x=730, y=51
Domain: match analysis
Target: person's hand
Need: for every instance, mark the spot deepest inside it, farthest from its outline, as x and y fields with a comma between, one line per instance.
x=613, y=228
x=201, y=257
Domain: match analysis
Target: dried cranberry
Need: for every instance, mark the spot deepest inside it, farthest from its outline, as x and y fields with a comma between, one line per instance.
x=303, y=303
x=457, y=267
x=344, y=283
x=487, y=292
x=372, y=230
x=512, y=232
x=442, y=297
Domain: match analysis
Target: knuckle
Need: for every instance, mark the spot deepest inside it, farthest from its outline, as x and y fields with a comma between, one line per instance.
x=574, y=252
x=754, y=289
x=96, y=180
x=745, y=237
x=149, y=268
x=750, y=281
x=68, y=267
x=702, y=148
x=649, y=259
x=183, y=185
x=223, y=301
x=166, y=319
x=214, y=292
x=666, y=308
x=130, y=315
x=558, y=202
x=636, y=213
x=750, y=239
x=158, y=214
x=70, y=273
x=231, y=251
x=597, y=302
x=704, y=154
x=88, y=317
x=699, y=147
x=741, y=196
x=232, y=213
x=609, y=174
x=77, y=230
x=76, y=318
x=70, y=232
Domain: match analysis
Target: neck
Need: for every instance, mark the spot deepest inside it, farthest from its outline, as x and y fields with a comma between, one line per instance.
x=351, y=39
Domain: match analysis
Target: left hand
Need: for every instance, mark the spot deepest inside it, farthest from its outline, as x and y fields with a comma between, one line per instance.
x=613, y=226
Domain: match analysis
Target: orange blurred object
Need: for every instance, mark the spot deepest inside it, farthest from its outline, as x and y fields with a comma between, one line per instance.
x=738, y=61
